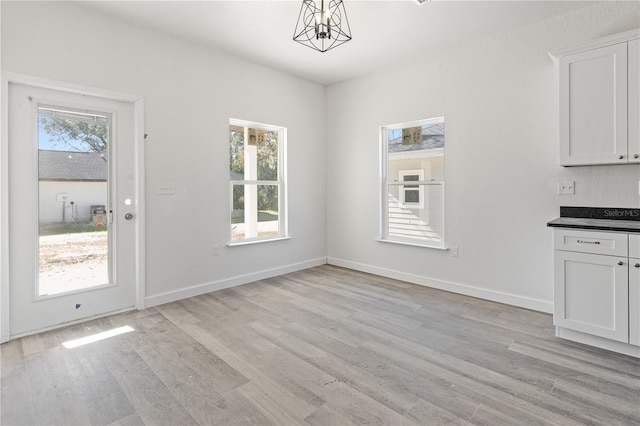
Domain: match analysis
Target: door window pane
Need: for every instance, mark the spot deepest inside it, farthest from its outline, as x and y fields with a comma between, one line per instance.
x=72, y=200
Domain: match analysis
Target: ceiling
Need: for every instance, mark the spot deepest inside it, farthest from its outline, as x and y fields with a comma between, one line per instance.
x=384, y=32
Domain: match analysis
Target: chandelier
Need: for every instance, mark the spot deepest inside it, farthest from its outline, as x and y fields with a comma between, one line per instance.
x=322, y=28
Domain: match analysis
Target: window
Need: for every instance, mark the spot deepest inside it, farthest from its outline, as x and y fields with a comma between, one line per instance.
x=411, y=195
x=257, y=181
x=412, y=173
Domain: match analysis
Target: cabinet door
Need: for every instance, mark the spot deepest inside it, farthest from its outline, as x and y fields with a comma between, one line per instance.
x=634, y=302
x=591, y=294
x=634, y=290
x=593, y=106
x=634, y=245
x=634, y=100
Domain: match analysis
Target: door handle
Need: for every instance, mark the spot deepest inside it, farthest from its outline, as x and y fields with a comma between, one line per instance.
x=128, y=216
x=588, y=242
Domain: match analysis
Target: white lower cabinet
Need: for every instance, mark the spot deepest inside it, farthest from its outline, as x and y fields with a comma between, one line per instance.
x=634, y=302
x=597, y=289
x=634, y=290
x=593, y=294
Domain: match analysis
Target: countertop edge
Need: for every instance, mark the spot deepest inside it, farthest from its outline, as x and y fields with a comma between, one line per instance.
x=595, y=224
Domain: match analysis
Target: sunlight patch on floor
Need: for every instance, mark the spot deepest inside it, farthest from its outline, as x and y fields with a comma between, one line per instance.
x=97, y=337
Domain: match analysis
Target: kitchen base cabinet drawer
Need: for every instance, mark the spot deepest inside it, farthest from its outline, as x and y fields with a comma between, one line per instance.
x=591, y=294
x=608, y=243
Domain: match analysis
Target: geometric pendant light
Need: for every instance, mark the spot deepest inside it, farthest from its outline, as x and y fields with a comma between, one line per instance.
x=322, y=28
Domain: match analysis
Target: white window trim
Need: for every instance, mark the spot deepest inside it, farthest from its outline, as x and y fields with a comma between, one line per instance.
x=281, y=183
x=250, y=241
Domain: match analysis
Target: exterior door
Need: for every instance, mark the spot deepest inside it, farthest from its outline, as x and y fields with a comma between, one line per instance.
x=72, y=201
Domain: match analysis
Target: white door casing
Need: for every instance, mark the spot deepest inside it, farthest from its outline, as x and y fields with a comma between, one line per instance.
x=20, y=313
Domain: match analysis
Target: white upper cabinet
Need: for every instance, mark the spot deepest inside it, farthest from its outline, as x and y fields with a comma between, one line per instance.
x=599, y=101
x=593, y=106
x=633, y=59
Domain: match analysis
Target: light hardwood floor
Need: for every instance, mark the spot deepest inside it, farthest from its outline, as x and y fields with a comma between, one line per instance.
x=324, y=346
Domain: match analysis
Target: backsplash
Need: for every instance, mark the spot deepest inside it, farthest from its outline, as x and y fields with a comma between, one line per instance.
x=613, y=213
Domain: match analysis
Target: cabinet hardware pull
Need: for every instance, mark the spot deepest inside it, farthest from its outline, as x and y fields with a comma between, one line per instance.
x=621, y=263
x=621, y=157
x=636, y=155
x=588, y=242
x=637, y=265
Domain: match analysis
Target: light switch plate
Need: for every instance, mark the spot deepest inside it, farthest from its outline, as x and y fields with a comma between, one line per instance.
x=166, y=189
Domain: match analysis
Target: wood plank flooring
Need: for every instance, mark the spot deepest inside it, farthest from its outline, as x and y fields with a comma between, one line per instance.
x=324, y=346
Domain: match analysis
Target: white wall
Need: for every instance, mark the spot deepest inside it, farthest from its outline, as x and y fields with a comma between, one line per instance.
x=83, y=194
x=190, y=94
x=499, y=97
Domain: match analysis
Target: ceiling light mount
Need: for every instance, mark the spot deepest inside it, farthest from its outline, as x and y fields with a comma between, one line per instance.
x=322, y=28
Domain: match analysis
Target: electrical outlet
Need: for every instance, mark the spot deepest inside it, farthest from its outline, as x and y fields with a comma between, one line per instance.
x=166, y=189
x=566, y=188
x=454, y=251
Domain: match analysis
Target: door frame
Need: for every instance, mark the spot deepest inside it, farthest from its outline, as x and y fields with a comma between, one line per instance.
x=138, y=110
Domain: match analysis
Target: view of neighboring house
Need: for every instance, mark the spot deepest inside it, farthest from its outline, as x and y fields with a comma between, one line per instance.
x=70, y=183
x=415, y=210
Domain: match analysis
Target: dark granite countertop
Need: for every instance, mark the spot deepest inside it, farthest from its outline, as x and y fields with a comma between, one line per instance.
x=598, y=218
x=596, y=224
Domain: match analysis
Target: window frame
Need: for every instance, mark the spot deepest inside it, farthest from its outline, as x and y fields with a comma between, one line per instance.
x=386, y=183
x=281, y=183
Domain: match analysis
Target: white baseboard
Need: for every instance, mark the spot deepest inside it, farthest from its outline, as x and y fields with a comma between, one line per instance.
x=196, y=290
x=468, y=290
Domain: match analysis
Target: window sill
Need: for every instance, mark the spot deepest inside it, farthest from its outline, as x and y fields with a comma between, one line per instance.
x=258, y=241
x=414, y=244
